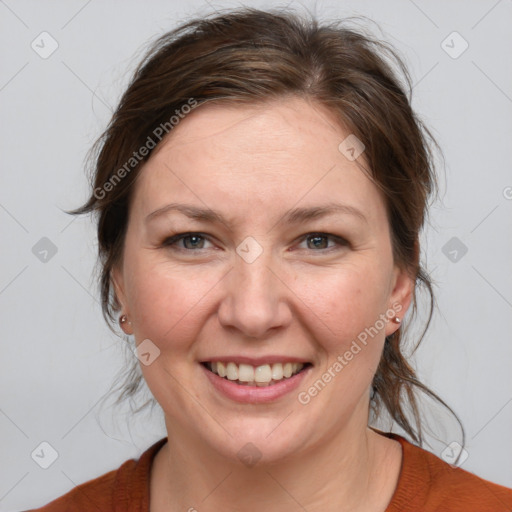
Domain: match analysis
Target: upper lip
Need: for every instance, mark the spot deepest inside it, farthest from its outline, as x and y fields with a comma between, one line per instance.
x=256, y=361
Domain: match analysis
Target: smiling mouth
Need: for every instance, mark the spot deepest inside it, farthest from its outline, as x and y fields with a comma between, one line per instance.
x=261, y=376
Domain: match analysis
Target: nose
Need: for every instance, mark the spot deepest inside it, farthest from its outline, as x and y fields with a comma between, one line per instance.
x=256, y=300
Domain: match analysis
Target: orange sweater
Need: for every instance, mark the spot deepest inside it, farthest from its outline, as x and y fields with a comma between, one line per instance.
x=426, y=484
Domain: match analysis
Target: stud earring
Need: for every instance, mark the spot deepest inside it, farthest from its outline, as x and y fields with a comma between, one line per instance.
x=397, y=319
x=123, y=319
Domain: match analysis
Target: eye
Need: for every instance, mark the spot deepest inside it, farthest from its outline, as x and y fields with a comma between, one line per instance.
x=191, y=241
x=320, y=241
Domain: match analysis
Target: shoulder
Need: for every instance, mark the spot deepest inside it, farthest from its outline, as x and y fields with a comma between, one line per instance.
x=95, y=494
x=427, y=483
x=123, y=489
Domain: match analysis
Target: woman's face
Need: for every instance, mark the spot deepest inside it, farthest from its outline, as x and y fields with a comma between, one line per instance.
x=258, y=281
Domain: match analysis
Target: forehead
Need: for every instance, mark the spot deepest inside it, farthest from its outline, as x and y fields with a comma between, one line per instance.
x=256, y=158
x=273, y=132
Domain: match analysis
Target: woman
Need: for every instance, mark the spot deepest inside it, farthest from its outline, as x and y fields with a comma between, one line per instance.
x=260, y=191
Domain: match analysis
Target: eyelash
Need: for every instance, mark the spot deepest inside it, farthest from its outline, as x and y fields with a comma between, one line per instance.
x=172, y=240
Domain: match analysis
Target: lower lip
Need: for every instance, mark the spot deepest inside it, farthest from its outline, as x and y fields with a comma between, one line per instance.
x=255, y=394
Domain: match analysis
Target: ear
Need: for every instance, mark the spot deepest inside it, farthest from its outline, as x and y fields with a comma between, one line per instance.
x=402, y=291
x=117, y=282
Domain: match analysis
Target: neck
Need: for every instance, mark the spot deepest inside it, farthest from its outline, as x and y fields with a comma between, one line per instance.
x=356, y=470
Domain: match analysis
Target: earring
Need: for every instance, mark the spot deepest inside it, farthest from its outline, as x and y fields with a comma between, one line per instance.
x=397, y=319
x=123, y=319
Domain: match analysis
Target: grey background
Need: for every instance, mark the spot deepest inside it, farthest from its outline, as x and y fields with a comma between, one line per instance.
x=58, y=359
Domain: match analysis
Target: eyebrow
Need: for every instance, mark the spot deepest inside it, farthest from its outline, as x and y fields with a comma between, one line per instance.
x=293, y=216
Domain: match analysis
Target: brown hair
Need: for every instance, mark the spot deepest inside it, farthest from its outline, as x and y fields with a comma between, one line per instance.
x=251, y=56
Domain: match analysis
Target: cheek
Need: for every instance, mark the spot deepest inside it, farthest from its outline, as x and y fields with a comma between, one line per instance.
x=346, y=310
x=166, y=300
x=346, y=300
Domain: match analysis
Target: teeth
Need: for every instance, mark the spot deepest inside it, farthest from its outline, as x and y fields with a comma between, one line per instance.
x=277, y=371
x=245, y=373
x=221, y=369
x=232, y=371
x=263, y=375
